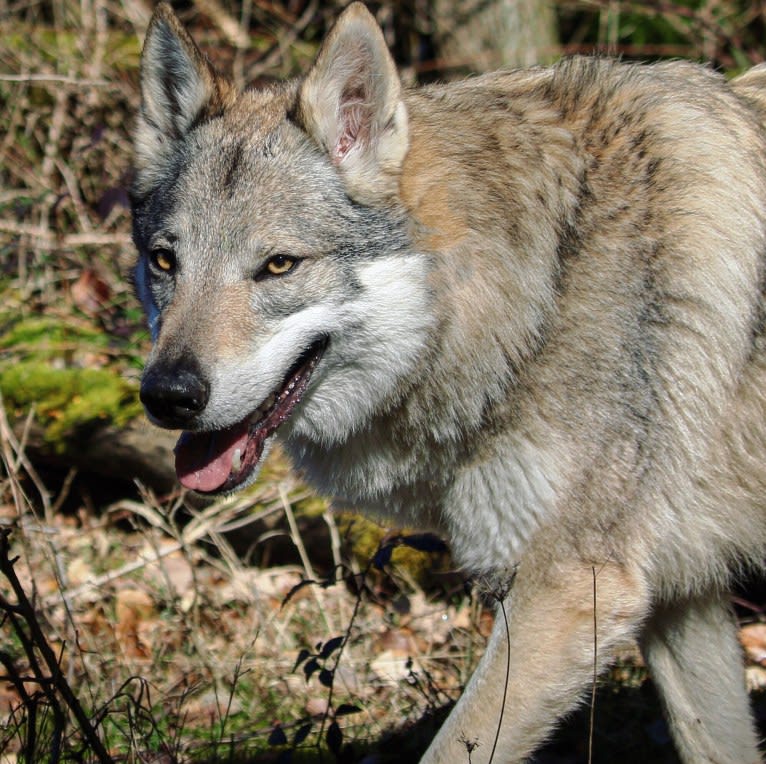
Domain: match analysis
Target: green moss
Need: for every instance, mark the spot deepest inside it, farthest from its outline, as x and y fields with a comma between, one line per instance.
x=54, y=45
x=311, y=506
x=365, y=537
x=43, y=337
x=67, y=401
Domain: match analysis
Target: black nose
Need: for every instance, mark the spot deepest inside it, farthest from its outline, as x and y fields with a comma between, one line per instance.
x=174, y=393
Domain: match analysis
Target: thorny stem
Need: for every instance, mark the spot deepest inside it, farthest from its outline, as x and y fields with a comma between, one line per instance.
x=47, y=684
x=338, y=656
x=28, y=702
x=36, y=639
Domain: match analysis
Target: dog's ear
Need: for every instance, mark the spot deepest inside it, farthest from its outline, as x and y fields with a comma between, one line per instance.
x=179, y=88
x=351, y=104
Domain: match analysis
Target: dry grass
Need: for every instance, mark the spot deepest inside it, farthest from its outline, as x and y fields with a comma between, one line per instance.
x=175, y=646
x=178, y=648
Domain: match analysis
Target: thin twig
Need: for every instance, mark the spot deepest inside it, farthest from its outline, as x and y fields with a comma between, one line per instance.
x=15, y=458
x=29, y=702
x=338, y=656
x=107, y=578
x=591, y=725
x=232, y=31
x=306, y=562
x=501, y=604
x=57, y=79
x=216, y=517
x=270, y=60
x=51, y=150
x=45, y=237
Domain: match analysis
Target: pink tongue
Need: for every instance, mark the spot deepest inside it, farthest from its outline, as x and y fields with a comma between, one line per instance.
x=204, y=459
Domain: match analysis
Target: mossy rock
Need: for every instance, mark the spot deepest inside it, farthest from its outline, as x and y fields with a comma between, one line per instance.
x=46, y=366
x=67, y=401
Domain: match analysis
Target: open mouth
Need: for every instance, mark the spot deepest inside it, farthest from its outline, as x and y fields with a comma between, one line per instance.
x=221, y=461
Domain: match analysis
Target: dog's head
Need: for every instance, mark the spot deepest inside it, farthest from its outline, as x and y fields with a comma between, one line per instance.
x=274, y=262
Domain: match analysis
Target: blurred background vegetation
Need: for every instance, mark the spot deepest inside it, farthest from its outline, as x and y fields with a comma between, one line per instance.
x=166, y=615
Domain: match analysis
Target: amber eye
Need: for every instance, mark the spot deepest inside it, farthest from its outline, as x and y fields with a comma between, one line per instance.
x=163, y=259
x=280, y=264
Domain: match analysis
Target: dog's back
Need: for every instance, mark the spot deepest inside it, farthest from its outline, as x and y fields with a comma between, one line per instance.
x=637, y=408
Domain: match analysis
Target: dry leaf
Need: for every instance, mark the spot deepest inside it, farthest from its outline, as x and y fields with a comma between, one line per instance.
x=755, y=678
x=316, y=706
x=90, y=293
x=397, y=641
x=78, y=572
x=133, y=608
x=753, y=639
x=9, y=699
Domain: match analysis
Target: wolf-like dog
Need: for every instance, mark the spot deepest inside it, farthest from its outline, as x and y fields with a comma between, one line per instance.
x=526, y=310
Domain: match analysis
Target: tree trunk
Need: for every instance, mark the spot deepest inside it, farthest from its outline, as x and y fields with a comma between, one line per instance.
x=481, y=35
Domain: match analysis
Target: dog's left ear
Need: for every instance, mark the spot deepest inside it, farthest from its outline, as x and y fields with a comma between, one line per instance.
x=351, y=104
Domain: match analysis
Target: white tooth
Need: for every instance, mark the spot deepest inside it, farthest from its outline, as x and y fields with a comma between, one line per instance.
x=236, y=460
x=264, y=408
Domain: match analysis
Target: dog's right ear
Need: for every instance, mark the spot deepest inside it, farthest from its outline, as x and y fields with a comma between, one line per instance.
x=179, y=88
x=351, y=104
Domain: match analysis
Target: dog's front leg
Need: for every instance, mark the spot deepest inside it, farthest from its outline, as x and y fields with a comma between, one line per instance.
x=551, y=630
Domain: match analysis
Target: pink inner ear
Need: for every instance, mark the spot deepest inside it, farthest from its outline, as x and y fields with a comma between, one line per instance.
x=342, y=147
x=356, y=122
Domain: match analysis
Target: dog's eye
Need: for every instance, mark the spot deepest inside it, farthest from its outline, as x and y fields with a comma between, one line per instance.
x=279, y=265
x=163, y=259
